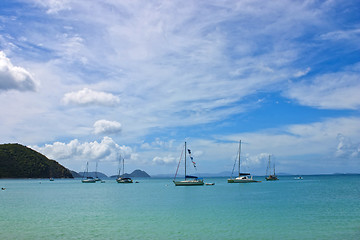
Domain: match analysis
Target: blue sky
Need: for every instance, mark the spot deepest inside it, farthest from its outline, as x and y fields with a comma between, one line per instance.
x=87, y=80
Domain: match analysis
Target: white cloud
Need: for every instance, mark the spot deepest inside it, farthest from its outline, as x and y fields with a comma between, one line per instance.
x=329, y=91
x=302, y=73
x=158, y=143
x=54, y=6
x=352, y=34
x=106, y=127
x=106, y=150
x=90, y=97
x=13, y=77
x=346, y=148
x=164, y=160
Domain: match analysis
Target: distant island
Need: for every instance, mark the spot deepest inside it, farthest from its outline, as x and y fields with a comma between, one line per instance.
x=135, y=174
x=18, y=161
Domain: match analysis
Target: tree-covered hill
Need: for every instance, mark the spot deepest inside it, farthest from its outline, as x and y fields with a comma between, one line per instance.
x=18, y=161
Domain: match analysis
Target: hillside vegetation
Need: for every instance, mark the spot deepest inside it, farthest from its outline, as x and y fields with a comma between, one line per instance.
x=18, y=161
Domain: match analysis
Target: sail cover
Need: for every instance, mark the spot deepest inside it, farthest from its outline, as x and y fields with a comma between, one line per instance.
x=188, y=176
x=244, y=174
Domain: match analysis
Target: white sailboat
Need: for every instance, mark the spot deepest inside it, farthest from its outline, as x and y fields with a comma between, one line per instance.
x=243, y=177
x=189, y=180
x=270, y=177
x=88, y=178
x=121, y=179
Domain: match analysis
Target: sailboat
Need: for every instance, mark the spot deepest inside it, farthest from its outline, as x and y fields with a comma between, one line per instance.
x=189, y=180
x=270, y=177
x=123, y=179
x=243, y=177
x=96, y=173
x=88, y=178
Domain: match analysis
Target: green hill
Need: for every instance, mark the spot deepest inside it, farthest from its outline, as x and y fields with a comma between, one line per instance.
x=17, y=161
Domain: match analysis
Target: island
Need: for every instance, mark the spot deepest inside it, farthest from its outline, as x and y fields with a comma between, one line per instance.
x=135, y=174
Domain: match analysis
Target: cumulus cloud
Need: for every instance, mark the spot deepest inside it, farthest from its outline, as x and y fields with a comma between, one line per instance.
x=164, y=160
x=13, y=77
x=90, y=97
x=106, y=127
x=106, y=150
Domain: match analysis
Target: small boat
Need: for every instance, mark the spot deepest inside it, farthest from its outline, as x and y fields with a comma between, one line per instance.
x=298, y=178
x=243, y=177
x=189, y=180
x=209, y=184
x=121, y=179
x=51, y=179
x=270, y=177
x=88, y=178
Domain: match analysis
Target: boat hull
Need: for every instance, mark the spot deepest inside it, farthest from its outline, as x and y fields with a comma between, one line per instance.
x=189, y=183
x=241, y=180
x=88, y=181
x=124, y=181
x=271, y=178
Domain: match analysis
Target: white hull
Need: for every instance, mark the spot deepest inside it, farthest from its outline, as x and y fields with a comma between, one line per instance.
x=189, y=183
x=241, y=180
x=89, y=181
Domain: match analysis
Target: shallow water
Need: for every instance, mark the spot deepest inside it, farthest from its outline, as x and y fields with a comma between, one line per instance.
x=317, y=207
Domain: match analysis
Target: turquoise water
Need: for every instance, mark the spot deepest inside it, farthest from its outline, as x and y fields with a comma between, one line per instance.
x=317, y=207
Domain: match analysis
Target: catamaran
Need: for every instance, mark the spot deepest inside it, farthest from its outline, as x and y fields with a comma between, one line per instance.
x=88, y=178
x=270, y=177
x=243, y=177
x=121, y=179
x=189, y=180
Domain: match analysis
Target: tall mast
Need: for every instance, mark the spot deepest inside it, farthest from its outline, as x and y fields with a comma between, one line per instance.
x=185, y=160
x=123, y=166
x=274, y=169
x=96, y=175
x=239, y=155
x=119, y=166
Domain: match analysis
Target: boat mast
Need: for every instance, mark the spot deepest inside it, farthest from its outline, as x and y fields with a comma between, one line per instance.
x=185, y=160
x=274, y=169
x=239, y=155
x=96, y=175
x=123, y=168
x=119, y=173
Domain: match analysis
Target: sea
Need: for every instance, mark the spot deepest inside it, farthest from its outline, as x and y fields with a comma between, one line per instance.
x=316, y=207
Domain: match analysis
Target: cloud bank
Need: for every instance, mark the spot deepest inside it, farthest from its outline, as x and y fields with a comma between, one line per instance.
x=106, y=150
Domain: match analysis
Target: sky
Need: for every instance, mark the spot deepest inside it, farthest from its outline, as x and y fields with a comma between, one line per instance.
x=87, y=81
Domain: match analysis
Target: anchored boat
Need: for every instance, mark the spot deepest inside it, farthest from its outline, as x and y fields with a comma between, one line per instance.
x=86, y=174
x=121, y=179
x=243, y=177
x=270, y=177
x=189, y=180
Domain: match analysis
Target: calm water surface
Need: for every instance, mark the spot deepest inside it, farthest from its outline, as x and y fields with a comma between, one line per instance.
x=317, y=207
